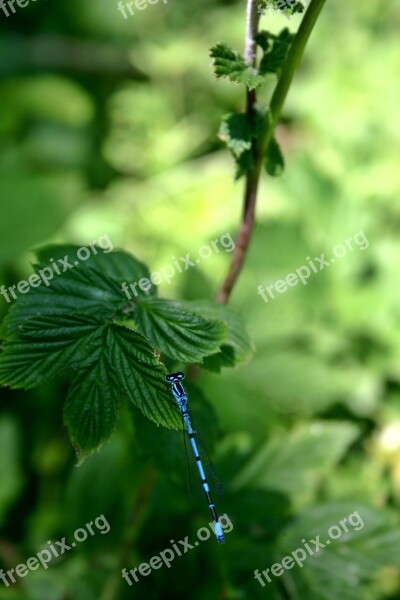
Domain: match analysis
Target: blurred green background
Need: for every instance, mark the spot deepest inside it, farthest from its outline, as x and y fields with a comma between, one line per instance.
x=108, y=126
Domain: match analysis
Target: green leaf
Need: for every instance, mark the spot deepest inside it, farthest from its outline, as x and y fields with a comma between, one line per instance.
x=355, y=557
x=116, y=264
x=178, y=332
x=293, y=463
x=265, y=40
x=236, y=347
x=91, y=287
x=92, y=405
x=274, y=160
x=224, y=358
x=244, y=165
x=297, y=8
x=141, y=376
x=275, y=49
x=281, y=6
x=231, y=65
x=44, y=346
x=237, y=132
x=84, y=290
x=72, y=324
x=110, y=363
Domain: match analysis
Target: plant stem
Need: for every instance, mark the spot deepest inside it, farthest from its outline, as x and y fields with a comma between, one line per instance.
x=250, y=50
x=278, y=98
x=252, y=20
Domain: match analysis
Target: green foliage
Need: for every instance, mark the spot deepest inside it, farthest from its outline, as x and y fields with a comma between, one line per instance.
x=92, y=404
x=274, y=161
x=232, y=66
x=236, y=347
x=40, y=347
x=300, y=458
x=281, y=6
x=118, y=265
x=180, y=334
x=82, y=322
x=275, y=49
x=352, y=557
x=237, y=131
x=81, y=289
x=241, y=132
x=327, y=353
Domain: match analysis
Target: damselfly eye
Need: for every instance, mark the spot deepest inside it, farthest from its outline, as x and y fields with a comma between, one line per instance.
x=174, y=377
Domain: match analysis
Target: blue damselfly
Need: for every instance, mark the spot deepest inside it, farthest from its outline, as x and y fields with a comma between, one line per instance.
x=174, y=379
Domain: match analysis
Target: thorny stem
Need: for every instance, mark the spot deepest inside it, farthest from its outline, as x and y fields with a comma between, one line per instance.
x=289, y=69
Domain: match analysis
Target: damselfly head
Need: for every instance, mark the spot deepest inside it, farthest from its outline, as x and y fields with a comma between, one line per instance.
x=174, y=377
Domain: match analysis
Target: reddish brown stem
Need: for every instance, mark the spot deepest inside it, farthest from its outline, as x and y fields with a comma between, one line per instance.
x=278, y=97
x=251, y=187
x=243, y=240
